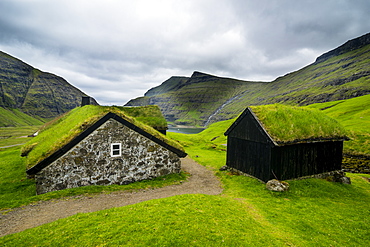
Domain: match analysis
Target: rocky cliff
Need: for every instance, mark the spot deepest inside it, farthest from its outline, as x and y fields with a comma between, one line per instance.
x=34, y=92
x=203, y=99
x=350, y=45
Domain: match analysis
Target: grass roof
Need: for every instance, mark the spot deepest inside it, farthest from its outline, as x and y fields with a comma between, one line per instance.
x=290, y=124
x=60, y=131
x=150, y=115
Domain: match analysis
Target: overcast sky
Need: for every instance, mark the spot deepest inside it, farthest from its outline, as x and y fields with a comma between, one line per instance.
x=115, y=50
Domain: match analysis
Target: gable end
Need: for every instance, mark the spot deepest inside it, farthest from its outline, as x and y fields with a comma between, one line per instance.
x=248, y=127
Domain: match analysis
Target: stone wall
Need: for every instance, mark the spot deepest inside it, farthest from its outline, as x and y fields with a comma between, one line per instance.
x=90, y=161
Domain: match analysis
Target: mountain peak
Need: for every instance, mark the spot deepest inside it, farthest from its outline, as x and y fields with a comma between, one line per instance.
x=199, y=74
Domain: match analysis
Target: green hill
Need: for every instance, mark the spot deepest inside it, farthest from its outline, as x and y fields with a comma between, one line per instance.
x=31, y=91
x=14, y=118
x=202, y=99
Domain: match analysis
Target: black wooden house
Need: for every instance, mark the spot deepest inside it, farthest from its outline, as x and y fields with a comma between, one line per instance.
x=253, y=149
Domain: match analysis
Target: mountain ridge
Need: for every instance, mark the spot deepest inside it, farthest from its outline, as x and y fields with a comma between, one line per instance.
x=202, y=99
x=34, y=92
x=350, y=45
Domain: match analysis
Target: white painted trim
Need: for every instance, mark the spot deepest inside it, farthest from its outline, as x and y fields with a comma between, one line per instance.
x=113, y=149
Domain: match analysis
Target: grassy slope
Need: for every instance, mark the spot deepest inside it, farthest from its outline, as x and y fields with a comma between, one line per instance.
x=201, y=95
x=318, y=82
x=354, y=115
x=14, y=118
x=313, y=213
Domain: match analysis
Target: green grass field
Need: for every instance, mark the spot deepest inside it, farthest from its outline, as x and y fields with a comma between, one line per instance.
x=314, y=212
x=16, y=135
x=17, y=190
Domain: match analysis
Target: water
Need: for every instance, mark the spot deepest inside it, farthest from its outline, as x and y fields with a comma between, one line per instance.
x=185, y=130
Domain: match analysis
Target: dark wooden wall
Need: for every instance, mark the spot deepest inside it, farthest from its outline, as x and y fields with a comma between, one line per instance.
x=298, y=160
x=252, y=158
x=263, y=161
x=247, y=128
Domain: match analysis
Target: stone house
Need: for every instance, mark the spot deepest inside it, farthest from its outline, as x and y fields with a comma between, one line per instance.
x=283, y=142
x=108, y=148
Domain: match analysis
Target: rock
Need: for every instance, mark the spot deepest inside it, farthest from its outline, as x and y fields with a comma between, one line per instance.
x=276, y=185
x=224, y=168
x=345, y=180
x=339, y=177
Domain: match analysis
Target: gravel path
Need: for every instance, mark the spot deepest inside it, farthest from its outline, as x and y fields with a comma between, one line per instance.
x=12, y=145
x=202, y=181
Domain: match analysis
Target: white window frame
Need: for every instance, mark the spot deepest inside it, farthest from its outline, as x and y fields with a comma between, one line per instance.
x=113, y=149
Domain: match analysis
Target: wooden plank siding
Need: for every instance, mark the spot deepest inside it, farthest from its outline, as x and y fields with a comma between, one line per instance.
x=248, y=128
x=250, y=157
x=251, y=149
x=299, y=160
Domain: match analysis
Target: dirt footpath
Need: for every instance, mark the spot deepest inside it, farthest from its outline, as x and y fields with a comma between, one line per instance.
x=202, y=181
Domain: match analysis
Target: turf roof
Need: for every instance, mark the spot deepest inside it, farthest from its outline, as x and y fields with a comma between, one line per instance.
x=150, y=115
x=291, y=124
x=60, y=131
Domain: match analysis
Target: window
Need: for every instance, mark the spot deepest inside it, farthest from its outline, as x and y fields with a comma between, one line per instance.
x=115, y=149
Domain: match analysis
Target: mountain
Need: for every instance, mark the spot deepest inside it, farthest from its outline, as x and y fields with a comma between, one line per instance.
x=190, y=101
x=36, y=93
x=341, y=73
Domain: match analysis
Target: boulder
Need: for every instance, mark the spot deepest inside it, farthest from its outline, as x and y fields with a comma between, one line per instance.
x=339, y=177
x=224, y=168
x=345, y=180
x=276, y=185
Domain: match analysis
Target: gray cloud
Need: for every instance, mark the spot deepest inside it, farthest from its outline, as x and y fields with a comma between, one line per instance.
x=116, y=50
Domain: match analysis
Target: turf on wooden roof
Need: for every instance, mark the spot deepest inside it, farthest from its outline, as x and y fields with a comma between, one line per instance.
x=60, y=131
x=289, y=124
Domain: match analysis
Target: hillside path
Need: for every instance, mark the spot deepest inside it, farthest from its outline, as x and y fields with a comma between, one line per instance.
x=201, y=181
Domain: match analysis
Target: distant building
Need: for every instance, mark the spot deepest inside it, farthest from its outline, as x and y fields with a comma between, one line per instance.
x=108, y=148
x=300, y=145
